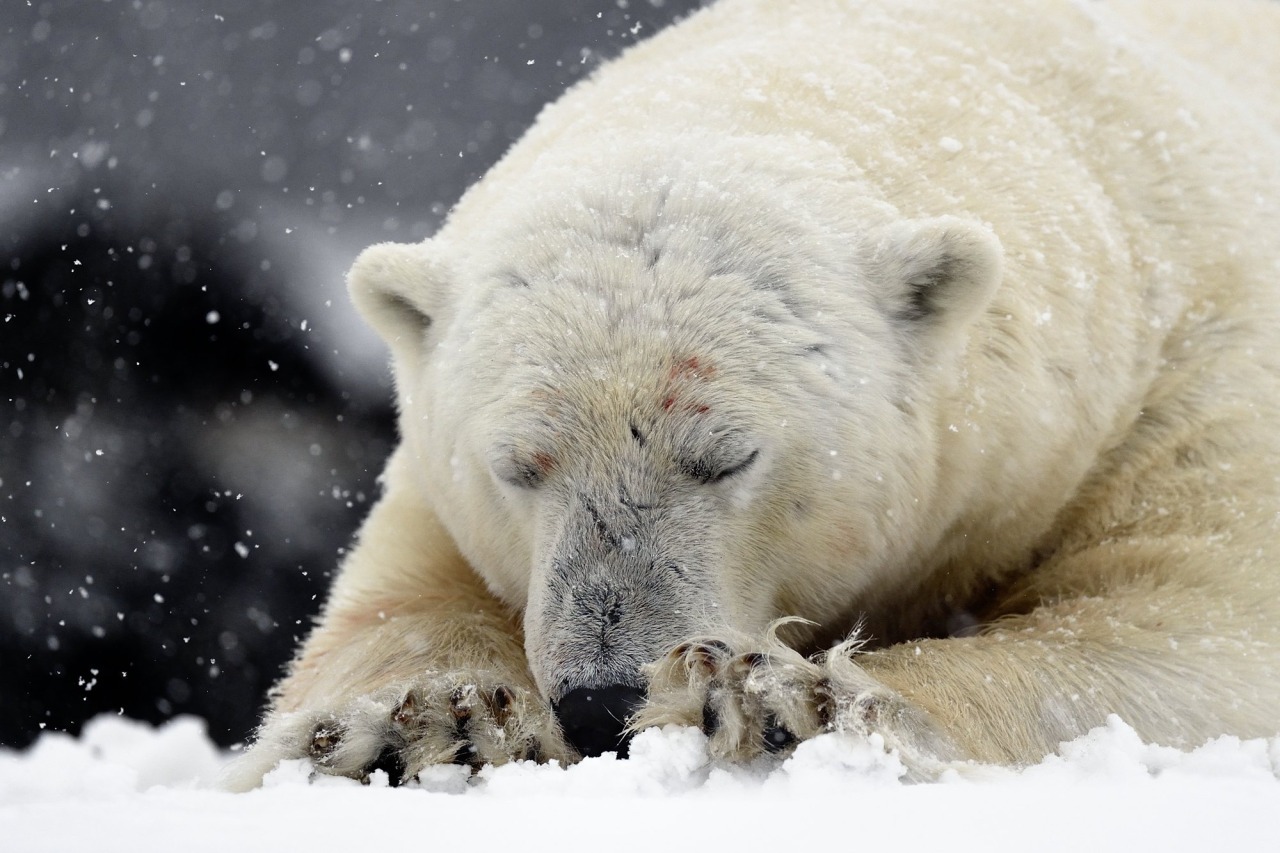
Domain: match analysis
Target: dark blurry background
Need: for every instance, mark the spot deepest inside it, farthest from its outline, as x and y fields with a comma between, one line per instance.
x=192, y=419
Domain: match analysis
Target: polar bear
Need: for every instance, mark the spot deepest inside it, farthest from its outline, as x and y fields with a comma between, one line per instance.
x=905, y=368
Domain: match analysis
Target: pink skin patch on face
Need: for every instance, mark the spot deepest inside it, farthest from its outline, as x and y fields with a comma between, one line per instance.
x=691, y=368
x=680, y=377
x=544, y=462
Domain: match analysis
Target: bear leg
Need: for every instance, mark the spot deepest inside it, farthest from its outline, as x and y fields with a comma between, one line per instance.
x=413, y=663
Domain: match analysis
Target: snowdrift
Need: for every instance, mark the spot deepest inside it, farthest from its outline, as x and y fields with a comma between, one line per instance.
x=123, y=786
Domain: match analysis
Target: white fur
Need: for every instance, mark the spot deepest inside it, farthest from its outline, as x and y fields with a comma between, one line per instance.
x=988, y=289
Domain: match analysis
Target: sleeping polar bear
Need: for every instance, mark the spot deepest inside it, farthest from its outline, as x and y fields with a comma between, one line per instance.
x=895, y=367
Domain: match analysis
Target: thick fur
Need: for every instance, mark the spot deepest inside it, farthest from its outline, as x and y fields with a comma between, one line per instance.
x=950, y=319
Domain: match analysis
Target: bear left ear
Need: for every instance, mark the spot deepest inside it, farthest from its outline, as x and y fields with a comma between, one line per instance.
x=936, y=275
x=401, y=289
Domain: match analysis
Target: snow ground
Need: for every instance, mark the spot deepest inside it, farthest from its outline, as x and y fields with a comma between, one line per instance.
x=123, y=786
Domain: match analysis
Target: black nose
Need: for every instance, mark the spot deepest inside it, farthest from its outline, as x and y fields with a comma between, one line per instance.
x=594, y=718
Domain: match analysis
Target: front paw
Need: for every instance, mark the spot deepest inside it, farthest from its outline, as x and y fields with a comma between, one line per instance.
x=441, y=718
x=764, y=698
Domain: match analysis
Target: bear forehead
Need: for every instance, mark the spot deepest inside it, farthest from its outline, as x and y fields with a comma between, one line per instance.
x=631, y=306
x=665, y=390
x=677, y=250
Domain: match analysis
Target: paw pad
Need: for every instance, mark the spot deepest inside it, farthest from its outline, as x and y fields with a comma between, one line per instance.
x=776, y=737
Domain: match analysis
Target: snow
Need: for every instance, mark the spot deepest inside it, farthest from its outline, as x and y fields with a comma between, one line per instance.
x=124, y=786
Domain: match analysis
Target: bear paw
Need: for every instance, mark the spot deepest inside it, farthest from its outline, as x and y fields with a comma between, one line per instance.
x=767, y=699
x=470, y=719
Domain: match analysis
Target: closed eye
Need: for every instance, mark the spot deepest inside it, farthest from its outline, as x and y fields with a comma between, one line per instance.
x=519, y=473
x=736, y=469
x=708, y=471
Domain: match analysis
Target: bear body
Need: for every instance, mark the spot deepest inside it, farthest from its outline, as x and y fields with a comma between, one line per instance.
x=897, y=367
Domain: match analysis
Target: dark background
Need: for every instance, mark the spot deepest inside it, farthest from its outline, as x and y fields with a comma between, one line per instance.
x=192, y=419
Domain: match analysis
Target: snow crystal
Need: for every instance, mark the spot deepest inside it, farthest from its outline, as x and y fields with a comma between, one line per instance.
x=124, y=786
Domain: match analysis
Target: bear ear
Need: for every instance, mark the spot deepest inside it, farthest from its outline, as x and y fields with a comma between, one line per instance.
x=400, y=289
x=936, y=275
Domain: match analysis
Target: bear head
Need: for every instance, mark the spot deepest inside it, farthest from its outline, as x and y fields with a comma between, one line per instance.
x=662, y=408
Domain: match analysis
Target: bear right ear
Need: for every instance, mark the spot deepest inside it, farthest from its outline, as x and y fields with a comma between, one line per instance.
x=935, y=276
x=400, y=289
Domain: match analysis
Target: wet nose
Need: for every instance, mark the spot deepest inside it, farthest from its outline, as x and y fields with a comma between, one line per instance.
x=594, y=719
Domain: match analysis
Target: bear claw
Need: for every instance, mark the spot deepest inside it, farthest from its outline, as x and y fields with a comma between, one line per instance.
x=445, y=718
x=756, y=702
x=324, y=740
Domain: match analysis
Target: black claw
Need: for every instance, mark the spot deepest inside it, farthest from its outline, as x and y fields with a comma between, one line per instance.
x=465, y=755
x=776, y=737
x=710, y=719
x=324, y=741
x=826, y=704
x=390, y=762
x=460, y=727
x=533, y=751
x=404, y=715
x=458, y=704
x=709, y=655
x=500, y=703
